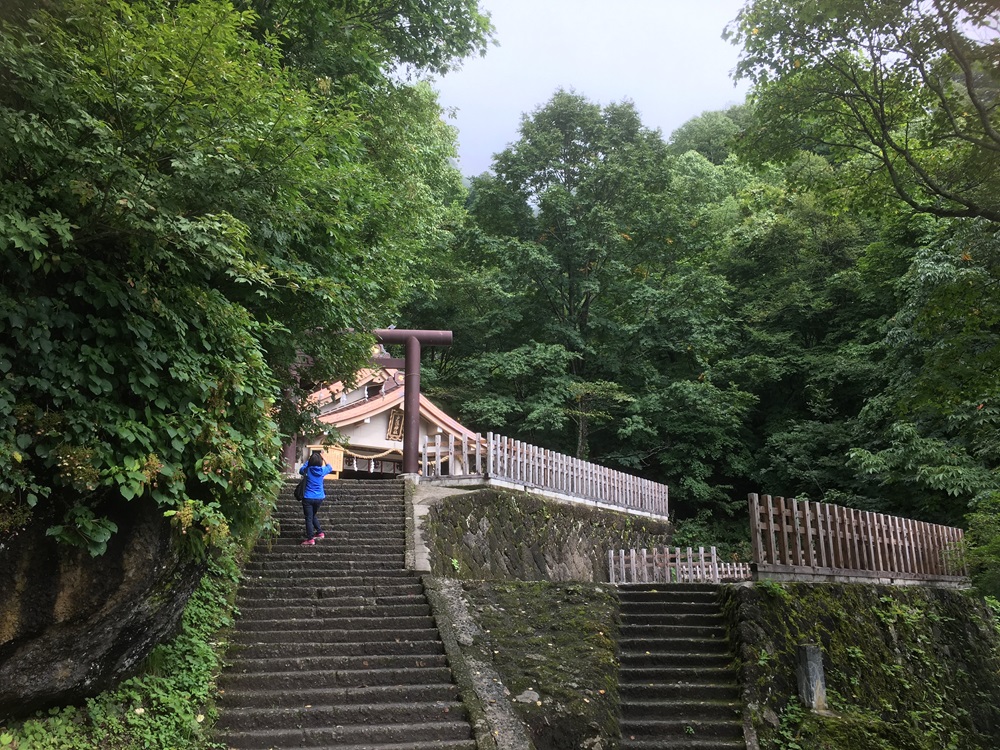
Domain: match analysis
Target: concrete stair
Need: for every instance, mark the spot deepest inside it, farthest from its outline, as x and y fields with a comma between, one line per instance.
x=678, y=686
x=336, y=646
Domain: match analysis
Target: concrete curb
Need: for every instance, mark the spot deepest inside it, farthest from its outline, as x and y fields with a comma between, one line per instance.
x=496, y=725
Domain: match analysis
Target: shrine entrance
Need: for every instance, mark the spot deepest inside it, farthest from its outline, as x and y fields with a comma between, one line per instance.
x=383, y=415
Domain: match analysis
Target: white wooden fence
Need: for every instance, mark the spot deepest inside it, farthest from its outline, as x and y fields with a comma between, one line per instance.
x=673, y=565
x=500, y=458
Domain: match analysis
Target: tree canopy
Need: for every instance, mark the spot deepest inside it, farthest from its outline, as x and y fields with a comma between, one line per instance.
x=728, y=311
x=904, y=89
x=187, y=209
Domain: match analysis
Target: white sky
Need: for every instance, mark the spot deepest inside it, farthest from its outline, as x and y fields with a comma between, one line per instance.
x=666, y=56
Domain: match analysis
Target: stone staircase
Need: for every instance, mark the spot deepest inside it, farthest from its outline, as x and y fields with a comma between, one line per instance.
x=336, y=646
x=677, y=682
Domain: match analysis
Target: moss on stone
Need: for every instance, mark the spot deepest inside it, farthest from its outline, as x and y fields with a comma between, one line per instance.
x=905, y=667
x=496, y=534
x=557, y=640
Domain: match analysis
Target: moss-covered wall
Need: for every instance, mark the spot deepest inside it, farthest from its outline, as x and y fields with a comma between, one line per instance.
x=506, y=535
x=553, y=645
x=906, y=668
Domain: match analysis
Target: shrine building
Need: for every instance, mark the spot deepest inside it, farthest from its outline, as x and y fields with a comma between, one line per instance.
x=369, y=417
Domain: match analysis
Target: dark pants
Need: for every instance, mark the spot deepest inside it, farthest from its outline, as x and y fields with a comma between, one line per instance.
x=311, y=508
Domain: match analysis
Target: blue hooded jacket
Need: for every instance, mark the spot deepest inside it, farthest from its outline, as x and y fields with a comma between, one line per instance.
x=314, y=480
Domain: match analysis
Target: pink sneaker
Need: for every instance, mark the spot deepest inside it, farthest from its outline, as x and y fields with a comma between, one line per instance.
x=320, y=535
x=308, y=542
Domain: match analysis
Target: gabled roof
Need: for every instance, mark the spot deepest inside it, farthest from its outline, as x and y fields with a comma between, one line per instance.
x=349, y=414
x=367, y=376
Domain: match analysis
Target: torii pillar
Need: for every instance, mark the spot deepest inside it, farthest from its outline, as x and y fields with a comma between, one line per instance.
x=411, y=384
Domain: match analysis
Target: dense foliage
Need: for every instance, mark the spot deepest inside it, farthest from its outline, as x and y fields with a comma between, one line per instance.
x=795, y=296
x=190, y=203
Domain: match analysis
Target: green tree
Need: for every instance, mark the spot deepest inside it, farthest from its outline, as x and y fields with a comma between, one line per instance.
x=903, y=89
x=711, y=134
x=577, y=201
x=584, y=320
x=900, y=95
x=358, y=39
x=181, y=219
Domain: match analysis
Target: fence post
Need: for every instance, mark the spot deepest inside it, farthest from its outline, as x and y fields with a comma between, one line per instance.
x=809, y=556
x=755, y=542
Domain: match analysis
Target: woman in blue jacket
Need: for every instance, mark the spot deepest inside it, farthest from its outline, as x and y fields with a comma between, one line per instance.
x=313, y=495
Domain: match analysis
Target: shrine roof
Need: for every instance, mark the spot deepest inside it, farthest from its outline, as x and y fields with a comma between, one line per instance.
x=358, y=411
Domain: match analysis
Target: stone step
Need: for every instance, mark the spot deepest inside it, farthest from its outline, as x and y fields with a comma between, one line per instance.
x=633, y=609
x=669, y=588
x=361, y=517
x=348, y=528
x=316, y=679
x=330, y=611
x=334, y=715
x=322, y=649
x=340, y=624
x=324, y=587
x=336, y=646
x=343, y=601
x=344, y=494
x=646, y=596
x=710, y=666
x=676, y=682
x=382, y=661
x=677, y=645
x=652, y=721
x=688, y=742
x=336, y=736
x=325, y=569
x=372, y=695
x=325, y=590
x=332, y=636
x=637, y=685
x=324, y=558
x=355, y=527
x=683, y=710
x=629, y=630
x=360, y=539
x=685, y=619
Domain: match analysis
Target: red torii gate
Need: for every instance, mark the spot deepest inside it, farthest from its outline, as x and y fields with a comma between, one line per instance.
x=411, y=339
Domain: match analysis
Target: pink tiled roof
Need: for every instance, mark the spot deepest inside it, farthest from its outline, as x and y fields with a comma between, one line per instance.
x=358, y=411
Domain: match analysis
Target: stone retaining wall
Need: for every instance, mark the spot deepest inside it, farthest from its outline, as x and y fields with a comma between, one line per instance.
x=493, y=534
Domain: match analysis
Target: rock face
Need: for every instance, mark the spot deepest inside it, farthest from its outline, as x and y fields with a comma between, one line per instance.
x=72, y=625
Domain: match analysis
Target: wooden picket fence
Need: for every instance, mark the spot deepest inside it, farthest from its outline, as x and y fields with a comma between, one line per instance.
x=673, y=565
x=512, y=461
x=790, y=536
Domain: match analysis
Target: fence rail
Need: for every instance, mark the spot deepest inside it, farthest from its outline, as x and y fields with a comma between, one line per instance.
x=672, y=565
x=790, y=536
x=500, y=458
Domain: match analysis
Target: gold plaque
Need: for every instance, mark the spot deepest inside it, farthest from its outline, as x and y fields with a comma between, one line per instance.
x=395, y=429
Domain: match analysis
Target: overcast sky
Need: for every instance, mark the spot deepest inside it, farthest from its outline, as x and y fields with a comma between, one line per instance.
x=666, y=56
